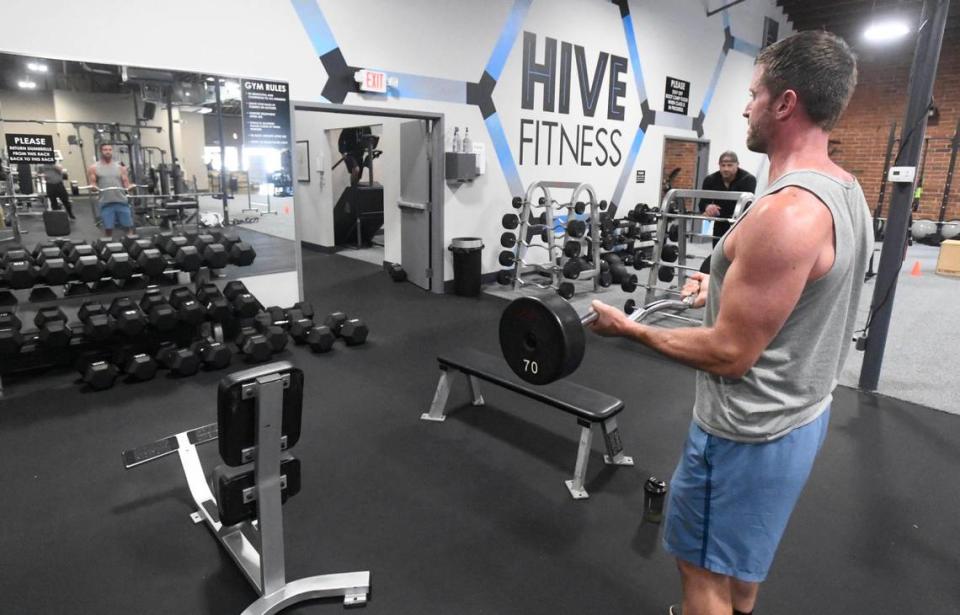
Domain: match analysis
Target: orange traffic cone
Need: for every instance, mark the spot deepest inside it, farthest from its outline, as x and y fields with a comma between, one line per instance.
x=915, y=272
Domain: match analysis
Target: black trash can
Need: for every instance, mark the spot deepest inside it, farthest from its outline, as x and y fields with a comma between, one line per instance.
x=466, y=265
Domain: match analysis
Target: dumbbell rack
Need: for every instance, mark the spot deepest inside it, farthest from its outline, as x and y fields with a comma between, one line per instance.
x=38, y=300
x=554, y=268
x=673, y=208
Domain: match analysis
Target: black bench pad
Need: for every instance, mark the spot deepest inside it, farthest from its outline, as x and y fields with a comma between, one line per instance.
x=585, y=403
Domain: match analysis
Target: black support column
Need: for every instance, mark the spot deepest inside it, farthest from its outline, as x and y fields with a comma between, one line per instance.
x=922, y=74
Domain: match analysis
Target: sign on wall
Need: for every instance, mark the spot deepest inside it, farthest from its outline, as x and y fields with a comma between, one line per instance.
x=641, y=176
x=677, y=96
x=266, y=113
x=33, y=149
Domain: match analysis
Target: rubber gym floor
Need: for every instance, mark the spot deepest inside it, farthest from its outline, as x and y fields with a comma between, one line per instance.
x=465, y=517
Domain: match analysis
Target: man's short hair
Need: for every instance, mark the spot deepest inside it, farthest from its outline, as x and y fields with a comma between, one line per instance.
x=819, y=66
x=729, y=155
x=103, y=145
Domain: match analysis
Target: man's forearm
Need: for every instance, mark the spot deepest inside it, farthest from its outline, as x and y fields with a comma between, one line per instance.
x=697, y=347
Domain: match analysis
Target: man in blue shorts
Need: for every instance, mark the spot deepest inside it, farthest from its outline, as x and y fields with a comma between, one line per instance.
x=781, y=299
x=111, y=181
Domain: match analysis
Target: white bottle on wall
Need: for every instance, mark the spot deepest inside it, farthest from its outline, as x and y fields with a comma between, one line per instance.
x=456, y=140
x=467, y=147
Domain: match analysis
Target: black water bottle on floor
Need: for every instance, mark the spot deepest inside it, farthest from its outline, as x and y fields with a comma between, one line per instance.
x=653, y=499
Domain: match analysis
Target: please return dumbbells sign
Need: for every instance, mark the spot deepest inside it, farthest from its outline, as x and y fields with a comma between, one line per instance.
x=33, y=149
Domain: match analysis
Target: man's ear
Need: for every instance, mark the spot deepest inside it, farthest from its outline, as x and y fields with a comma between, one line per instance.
x=787, y=104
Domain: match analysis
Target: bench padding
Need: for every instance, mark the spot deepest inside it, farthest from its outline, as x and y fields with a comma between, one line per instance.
x=585, y=403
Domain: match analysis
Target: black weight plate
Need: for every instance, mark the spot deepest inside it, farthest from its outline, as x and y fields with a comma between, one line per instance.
x=541, y=338
x=508, y=240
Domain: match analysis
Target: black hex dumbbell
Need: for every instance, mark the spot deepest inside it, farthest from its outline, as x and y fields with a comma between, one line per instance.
x=218, y=308
x=97, y=323
x=334, y=321
x=274, y=333
x=107, y=248
x=45, y=252
x=151, y=262
x=244, y=304
x=354, y=331
x=213, y=355
x=299, y=326
x=180, y=361
x=242, y=254
x=136, y=246
x=172, y=243
x=88, y=268
x=118, y=265
x=54, y=332
x=189, y=310
x=187, y=258
x=138, y=366
x=75, y=251
x=130, y=320
x=253, y=345
x=160, y=314
x=214, y=254
x=98, y=374
x=55, y=271
x=320, y=339
x=11, y=340
x=19, y=271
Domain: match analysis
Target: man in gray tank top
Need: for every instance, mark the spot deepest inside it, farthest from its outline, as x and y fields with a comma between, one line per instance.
x=780, y=298
x=110, y=180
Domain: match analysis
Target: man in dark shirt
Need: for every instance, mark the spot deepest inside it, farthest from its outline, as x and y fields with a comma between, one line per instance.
x=730, y=178
x=352, y=145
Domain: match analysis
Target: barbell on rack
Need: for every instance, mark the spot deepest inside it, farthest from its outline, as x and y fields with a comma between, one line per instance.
x=542, y=338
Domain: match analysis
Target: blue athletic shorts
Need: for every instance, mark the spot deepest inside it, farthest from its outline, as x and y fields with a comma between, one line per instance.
x=729, y=502
x=116, y=214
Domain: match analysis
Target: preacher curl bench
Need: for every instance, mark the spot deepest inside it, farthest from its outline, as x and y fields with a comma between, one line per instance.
x=258, y=418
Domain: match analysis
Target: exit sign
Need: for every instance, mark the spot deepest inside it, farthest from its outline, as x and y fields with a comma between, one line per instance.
x=371, y=80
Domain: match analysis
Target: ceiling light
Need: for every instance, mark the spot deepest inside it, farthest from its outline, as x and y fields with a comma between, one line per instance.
x=885, y=31
x=27, y=85
x=37, y=67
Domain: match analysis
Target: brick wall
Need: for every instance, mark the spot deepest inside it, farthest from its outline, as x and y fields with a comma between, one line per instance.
x=682, y=155
x=880, y=99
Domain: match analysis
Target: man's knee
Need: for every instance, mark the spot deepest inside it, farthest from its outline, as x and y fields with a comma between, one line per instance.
x=692, y=572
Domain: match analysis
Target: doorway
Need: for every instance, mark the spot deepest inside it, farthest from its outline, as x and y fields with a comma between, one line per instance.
x=391, y=211
x=685, y=163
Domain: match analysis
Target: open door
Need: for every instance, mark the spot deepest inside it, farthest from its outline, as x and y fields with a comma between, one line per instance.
x=415, y=201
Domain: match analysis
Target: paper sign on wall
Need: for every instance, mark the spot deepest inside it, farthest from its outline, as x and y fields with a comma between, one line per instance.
x=481, y=151
x=677, y=96
x=266, y=113
x=33, y=149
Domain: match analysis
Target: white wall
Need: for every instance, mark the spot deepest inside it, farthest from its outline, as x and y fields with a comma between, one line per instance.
x=452, y=40
x=315, y=201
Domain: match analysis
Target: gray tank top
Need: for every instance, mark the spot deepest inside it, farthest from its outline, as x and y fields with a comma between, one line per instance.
x=108, y=176
x=792, y=382
x=52, y=174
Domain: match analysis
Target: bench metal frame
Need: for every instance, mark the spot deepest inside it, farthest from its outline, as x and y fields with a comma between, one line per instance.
x=608, y=427
x=255, y=546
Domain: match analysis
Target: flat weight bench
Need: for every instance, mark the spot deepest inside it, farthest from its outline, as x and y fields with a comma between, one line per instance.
x=589, y=406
